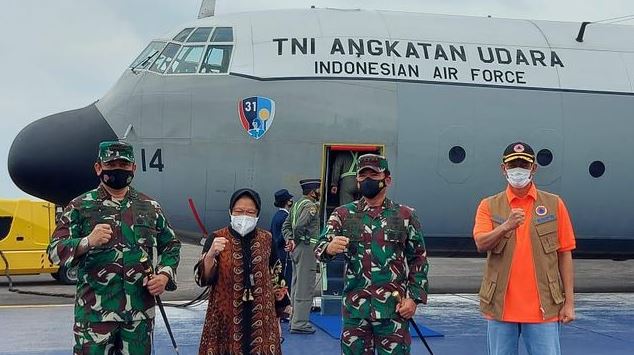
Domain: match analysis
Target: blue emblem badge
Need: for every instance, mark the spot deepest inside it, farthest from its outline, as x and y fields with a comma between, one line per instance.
x=541, y=210
x=256, y=115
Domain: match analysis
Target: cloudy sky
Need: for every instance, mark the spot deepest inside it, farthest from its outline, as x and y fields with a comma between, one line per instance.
x=61, y=55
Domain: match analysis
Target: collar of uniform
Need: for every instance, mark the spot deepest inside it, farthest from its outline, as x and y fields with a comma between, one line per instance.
x=532, y=193
x=364, y=207
x=132, y=193
x=104, y=195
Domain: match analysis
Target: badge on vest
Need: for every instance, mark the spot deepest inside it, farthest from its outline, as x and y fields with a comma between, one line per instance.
x=541, y=210
x=550, y=217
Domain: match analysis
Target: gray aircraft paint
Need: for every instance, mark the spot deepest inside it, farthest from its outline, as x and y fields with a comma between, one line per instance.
x=580, y=110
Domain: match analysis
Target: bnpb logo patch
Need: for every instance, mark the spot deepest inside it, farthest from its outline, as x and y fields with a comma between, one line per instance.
x=256, y=115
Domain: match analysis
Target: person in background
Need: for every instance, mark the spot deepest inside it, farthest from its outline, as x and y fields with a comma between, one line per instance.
x=283, y=201
x=302, y=229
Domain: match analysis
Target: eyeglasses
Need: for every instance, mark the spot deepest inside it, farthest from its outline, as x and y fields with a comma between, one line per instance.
x=240, y=212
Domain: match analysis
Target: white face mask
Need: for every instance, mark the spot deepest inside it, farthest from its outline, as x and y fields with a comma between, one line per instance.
x=243, y=224
x=518, y=177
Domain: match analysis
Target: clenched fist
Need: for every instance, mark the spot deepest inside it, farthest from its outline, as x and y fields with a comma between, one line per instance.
x=337, y=245
x=100, y=235
x=516, y=218
x=218, y=245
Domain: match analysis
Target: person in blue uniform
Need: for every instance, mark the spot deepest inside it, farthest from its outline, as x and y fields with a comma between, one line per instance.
x=283, y=201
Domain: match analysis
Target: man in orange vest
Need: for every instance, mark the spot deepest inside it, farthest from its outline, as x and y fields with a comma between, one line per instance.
x=527, y=287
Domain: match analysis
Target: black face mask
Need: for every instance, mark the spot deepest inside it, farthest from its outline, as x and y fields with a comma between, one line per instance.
x=370, y=188
x=116, y=178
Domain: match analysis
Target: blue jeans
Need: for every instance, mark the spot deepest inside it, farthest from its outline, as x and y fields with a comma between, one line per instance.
x=539, y=338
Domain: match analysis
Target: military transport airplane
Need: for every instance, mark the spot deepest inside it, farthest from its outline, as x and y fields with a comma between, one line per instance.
x=264, y=99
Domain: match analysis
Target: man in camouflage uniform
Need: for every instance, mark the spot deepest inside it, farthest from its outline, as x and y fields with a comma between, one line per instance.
x=385, y=252
x=105, y=233
x=301, y=228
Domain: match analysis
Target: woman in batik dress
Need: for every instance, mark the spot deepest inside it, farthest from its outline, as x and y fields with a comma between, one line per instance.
x=247, y=294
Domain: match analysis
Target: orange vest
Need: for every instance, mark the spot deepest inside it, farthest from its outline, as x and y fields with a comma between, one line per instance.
x=545, y=243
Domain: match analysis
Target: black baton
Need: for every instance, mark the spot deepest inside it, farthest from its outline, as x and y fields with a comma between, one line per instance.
x=397, y=295
x=148, y=271
x=420, y=334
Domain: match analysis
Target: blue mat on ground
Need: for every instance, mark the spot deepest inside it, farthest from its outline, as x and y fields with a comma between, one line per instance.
x=332, y=326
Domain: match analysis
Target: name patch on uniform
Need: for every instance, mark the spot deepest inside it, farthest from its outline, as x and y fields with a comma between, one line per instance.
x=550, y=217
x=256, y=115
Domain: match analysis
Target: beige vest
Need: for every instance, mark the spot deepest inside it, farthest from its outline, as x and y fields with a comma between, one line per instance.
x=545, y=242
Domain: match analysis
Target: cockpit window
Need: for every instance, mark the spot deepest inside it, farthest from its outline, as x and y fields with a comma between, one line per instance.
x=207, y=50
x=216, y=59
x=182, y=35
x=223, y=34
x=200, y=35
x=187, y=60
x=142, y=61
x=165, y=59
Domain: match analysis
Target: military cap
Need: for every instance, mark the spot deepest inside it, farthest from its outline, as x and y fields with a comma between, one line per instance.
x=310, y=184
x=518, y=150
x=375, y=162
x=113, y=150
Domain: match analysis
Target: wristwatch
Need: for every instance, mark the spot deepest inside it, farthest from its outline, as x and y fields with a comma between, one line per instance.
x=83, y=243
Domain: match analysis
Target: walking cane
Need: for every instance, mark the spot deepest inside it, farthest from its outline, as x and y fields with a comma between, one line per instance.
x=149, y=273
x=397, y=295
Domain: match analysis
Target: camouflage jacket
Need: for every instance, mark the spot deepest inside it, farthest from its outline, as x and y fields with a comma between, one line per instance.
x=302, y=223
x=386, y=253
x=110, y=277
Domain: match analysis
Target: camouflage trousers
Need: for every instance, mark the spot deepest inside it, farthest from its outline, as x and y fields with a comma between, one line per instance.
x=99, y=338
x=386, y=336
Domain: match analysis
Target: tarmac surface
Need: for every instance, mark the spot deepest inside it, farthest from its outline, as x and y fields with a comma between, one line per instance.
x=446, y=275
x=32, y=324
x=603, y=326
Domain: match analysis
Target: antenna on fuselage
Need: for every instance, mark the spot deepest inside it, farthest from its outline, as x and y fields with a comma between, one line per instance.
x=207, y=8
x=582, y=31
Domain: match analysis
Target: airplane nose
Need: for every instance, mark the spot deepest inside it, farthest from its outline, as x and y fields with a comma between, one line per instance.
x=53, y=157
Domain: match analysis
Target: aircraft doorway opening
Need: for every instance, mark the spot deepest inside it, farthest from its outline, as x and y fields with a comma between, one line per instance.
x=339, y=174
x=339, y=187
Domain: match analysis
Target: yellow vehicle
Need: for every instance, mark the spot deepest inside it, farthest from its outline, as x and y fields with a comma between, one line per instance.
x=25, y=231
